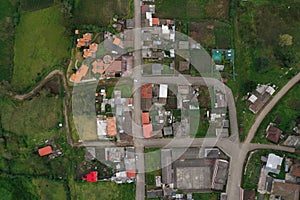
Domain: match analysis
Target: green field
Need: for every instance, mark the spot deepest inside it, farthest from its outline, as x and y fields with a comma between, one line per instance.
x=192, y=9
x=31, y=5
x=41, y=43
x=6, y=38
x=104, y=191
x=35, y=117
x=284, y=115
x=99, y=12
x=258, y=25
x=49, y=190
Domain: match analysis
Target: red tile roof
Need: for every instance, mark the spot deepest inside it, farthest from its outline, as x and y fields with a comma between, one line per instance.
x=145, y=118
x=111, y=127
x=131, y=173
x=91, y=177
x=146, y=91
x=45, y=151
x=147, y=130
x=93, y=47
x=155, y=21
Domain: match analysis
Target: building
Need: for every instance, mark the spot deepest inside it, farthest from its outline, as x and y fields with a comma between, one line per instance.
x=147, y=130
x=45, y=151
x=166, y=166
x=260, y=97
x=295, y=170
x=292, y=141
x=274, y=163
x=265, y=182
x=249, y=194
x=129, y=23
x=80, y=73
x=91, y=177
x=146, y=91
x=286, y=191
x=111, y=128
x=273, y=134
x=219, y=176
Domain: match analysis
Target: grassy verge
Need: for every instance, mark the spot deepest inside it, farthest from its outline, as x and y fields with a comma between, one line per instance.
x=41, y=43
x=206, y=196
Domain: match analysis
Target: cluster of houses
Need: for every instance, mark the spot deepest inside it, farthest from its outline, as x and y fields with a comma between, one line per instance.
x=287, y=188
x=190, y=170
x=260, y=97
x=117, y=125
x=103, y=64
x=121, y=159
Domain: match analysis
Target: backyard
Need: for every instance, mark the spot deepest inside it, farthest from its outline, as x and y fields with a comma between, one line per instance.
x=41, y=43
x=153, y=166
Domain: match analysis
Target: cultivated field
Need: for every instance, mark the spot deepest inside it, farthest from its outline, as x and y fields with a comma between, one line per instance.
x=99, y=12
x=41, y=43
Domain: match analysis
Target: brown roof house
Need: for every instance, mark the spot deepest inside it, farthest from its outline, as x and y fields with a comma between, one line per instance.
x=272, y=133
x=295, y=170
x=286, y=191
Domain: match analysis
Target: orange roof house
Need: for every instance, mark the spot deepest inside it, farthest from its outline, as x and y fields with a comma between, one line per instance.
x=131, y=173
x=155, y=21
x=147, y=130
x=147, y=91
x=117, y=41
x=98, y=66
x=145, y=118
x=91, y=177
x=87, y=53
x=81, y=72
x=87, y=37
x=111, y=127
x=81, y=42
x=45, y=151
x=76, y=32
x=93, y=47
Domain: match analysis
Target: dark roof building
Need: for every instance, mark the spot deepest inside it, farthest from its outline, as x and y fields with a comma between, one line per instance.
x=273, y=133
x=249, y=194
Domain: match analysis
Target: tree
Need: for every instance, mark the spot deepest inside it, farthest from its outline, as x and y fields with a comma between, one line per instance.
x=285, y=40
x=248, y=86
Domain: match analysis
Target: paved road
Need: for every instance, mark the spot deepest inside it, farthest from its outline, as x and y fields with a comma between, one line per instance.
x=136, y=122
x=269, y=107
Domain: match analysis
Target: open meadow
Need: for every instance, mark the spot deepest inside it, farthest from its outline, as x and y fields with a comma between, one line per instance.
x=41, y=43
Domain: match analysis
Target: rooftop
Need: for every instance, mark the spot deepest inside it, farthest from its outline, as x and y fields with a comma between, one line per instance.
x=45, y=151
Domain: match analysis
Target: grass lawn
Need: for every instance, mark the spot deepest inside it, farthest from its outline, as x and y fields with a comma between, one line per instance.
x=284, y=115
x=100, y=12
x=6, y=38
x=198, y=123
x=104, y=191
x=206, y=196
x=256, y=35
x=41, y=43
x=23, y=118
x=125, y=89
x=48, y=189
x=153, y=167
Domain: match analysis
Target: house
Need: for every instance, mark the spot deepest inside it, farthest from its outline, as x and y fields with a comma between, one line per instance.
x=184, y=66
x=117, y=41
x=45, y=151
x=91, y=177
x=249, y=194
x=87, y=53
x=111, y=127
x=84, y=41
x=274, y=163
x=145, y=118
x=147, y=130
x=129, y=23
x=131, y=173
x=220, y=174
x=168, y=130
x=260, y=97
x=147, y=91
x=286, y=191
x=273, y=134
x=80, y=73
x=166, y=166
x=155, y=21
x=295, y=170
x=292, y=141
x=114, y=68
x=265, y=182
x=163, y=91
x=98, y=66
